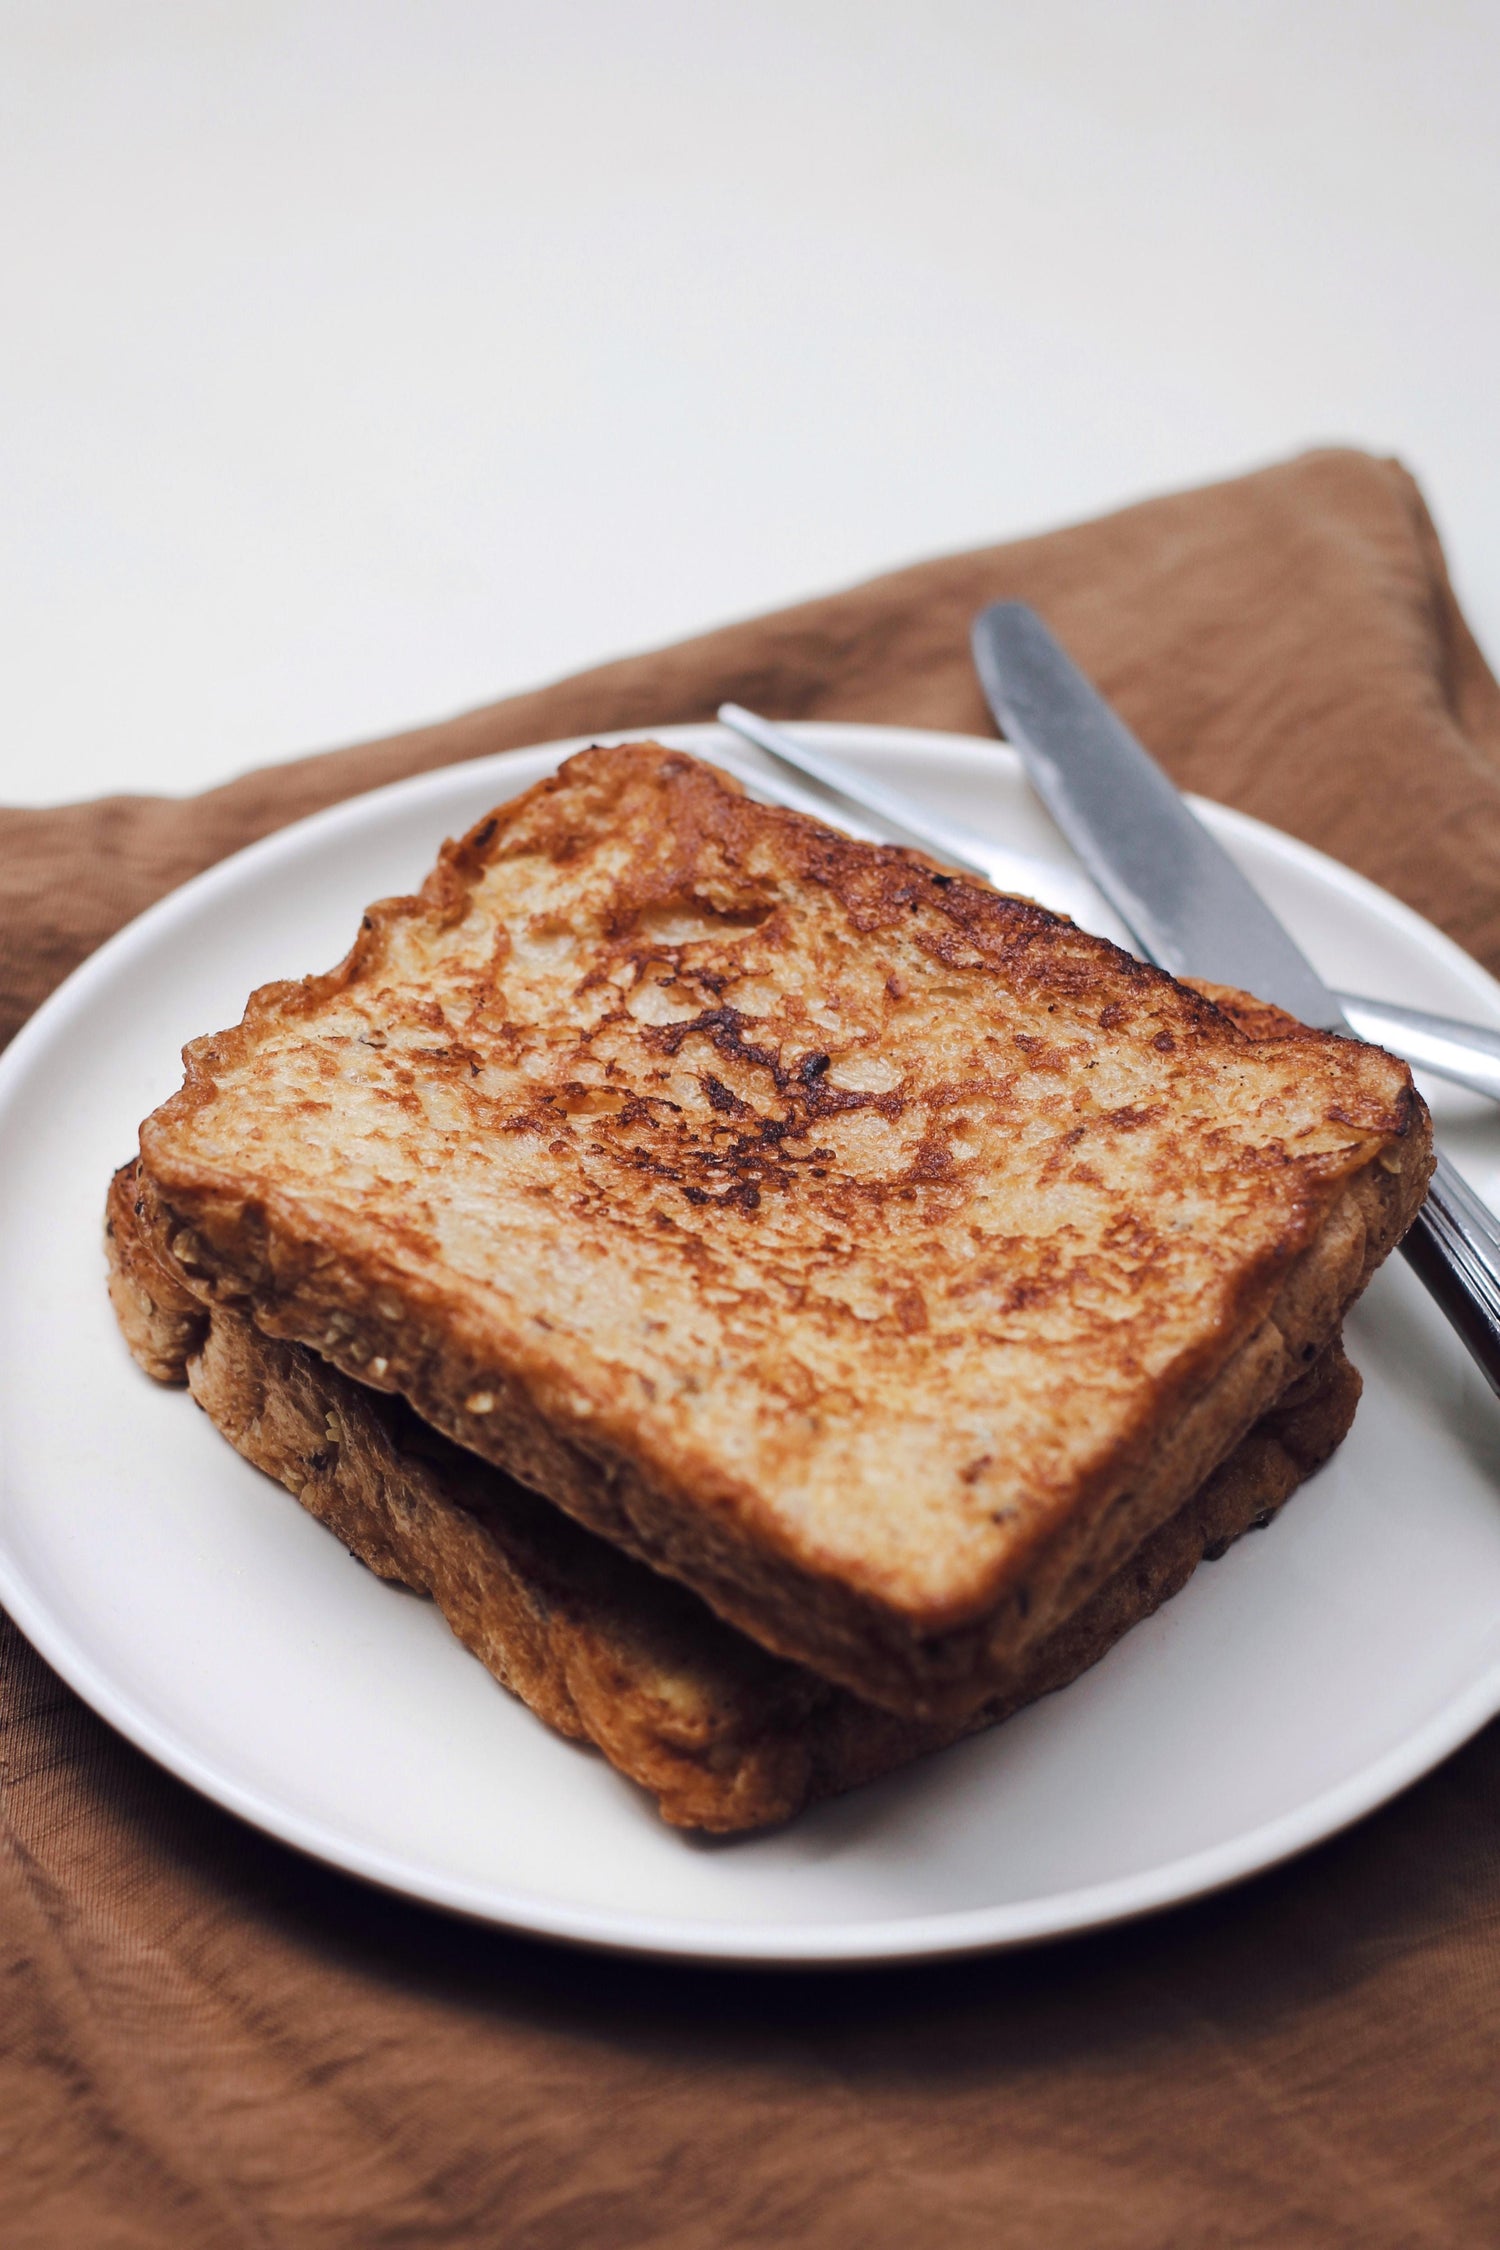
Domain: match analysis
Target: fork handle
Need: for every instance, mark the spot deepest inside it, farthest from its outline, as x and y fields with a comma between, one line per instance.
x=1466, y=1052
x=1454, y=1249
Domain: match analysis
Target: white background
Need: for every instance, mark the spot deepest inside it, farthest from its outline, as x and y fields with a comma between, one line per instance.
x=361, y=362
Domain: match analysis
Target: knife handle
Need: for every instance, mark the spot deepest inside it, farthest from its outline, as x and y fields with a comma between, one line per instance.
x=1453, y=1247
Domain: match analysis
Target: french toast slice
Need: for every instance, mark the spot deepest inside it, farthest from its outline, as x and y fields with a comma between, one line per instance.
x=726, y=1737
x=882, y=1257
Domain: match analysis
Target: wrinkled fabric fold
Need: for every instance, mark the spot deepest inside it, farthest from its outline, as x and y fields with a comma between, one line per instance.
x=207, y=2040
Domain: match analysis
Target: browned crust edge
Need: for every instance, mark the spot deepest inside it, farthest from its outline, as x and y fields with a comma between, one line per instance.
x=918, y=1666
x=726, y=1738
x=831, y=1628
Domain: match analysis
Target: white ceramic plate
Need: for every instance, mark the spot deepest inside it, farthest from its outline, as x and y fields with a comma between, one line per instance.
x=1290, y=1688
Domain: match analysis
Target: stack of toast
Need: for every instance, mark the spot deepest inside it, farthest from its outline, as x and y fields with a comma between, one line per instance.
x=788, y=1304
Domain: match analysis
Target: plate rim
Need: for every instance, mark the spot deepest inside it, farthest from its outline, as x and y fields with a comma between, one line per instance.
x=889, y=1940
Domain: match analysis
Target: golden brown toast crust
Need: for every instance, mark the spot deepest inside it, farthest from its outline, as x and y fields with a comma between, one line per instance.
x=883, y=1257
x=724, y=1736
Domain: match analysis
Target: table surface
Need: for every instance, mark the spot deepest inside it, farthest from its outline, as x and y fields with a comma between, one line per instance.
x=368, y=363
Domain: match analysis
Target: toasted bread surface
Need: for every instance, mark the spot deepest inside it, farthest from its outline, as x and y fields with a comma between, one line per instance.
x=883, y=1257
x=724, y=1736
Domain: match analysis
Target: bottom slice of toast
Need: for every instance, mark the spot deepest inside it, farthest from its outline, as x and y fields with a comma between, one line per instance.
x=726, y=1737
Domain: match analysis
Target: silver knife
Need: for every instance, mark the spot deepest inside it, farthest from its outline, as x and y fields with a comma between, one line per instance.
x=1191, y=910
x=1468, y=1053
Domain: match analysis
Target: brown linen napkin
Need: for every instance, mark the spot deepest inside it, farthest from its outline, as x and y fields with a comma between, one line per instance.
x=207, y=2041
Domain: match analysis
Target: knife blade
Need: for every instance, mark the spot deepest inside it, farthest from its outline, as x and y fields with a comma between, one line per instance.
x=1175, y=888
x=1192, y=911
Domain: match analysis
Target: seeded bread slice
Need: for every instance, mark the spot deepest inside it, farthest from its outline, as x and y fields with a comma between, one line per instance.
x=726, y=1737
x=881, y=1257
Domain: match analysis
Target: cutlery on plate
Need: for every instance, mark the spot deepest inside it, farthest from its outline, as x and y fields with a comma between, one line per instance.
x=1190, y=909
x=1454, y=1246
x=1468, y=1053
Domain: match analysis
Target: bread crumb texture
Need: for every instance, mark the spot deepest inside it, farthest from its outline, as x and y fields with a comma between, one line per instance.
x=880, y=1255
